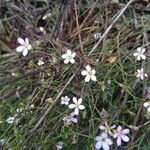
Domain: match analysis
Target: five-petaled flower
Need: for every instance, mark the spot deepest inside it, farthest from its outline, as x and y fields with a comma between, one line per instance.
x=65, y=100
x=69, y=57
x=24, y=46
x=120, y=134
x=77, y=105
x=141, y=74
x=89, y=73
x=147, y=105
x=69, y=119
x=140, y=53
x=103, y=142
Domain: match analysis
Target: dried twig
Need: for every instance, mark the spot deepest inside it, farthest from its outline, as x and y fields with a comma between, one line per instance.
x=55, y=101
x=109, y=28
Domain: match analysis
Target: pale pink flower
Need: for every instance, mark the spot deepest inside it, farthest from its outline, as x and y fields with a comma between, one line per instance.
x=69, y=119
x=120, y=134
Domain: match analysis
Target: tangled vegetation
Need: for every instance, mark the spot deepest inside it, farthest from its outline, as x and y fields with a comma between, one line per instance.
x=80, y=79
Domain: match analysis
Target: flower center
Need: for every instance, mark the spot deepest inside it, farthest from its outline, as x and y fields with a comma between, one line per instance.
x=103, y=140
x=69, y=57
x=90, y=73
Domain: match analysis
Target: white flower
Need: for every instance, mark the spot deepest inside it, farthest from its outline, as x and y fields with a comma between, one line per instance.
x=65, y=100
x=89, y=73
x=59, y=145
x=69, y=119
x=97, y=35
x=40, y=62
x=42, y=30
x=147, y=105
x=107, y=129
x=69, y=57
x=120, y=134
x=103, y=142
x=141, y=74
x=77, y=105
x=24, y=46
x=10, y=120
x=140, y=53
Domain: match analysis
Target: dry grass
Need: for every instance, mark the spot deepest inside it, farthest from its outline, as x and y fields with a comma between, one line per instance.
x=72, y=25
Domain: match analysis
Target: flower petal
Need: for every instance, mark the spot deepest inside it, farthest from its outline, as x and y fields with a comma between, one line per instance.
x=125, y=138
x=118, y=141
x=109, y=141
x=98, y=138
x=71, y=106
x=25, y=52
x=135, y=54
x=74, y=120
x=20, y=41
x=87, y=78
x=139, y=49
x=73, y=54
x=20, y=48
x=119, y=128
x=143, y=50
x=64, y=56
x=75, y=100
x=138, y=57
x=79, y=101
x=104, y=135
x=66, y=61
x=88, y=68
x=105, y=146
x=81, y=107
x=76, y=111
x=93, y=77
x=72, y=61
x=69, y=52
x=93, y=71
x=27, y=41
x=98, y=145
x=143, y=56
x=102, y=127
x=125, y=131
x=115, y=135
x=84, y=73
